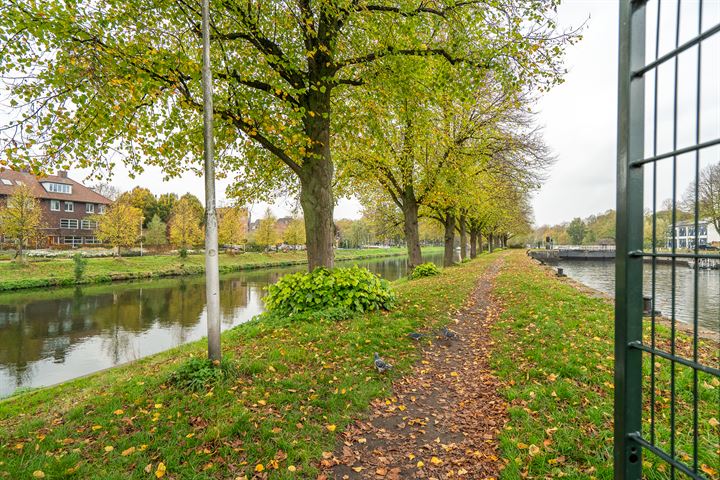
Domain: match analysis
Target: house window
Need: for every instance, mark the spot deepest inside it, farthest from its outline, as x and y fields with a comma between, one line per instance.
x=101, y=209
x=92, y=241
x=691, y=231
x=702, y=241
x=70, y=223
x=682, y=232
x=6, y=181
x=702, y=230
x=55, y=205
x=89, y=225
x=19, y=182
x=89, y=208
x=72, y=240
x=683, y=243
x=57, y=187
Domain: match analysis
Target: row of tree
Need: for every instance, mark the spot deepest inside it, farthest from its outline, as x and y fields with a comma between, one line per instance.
x=418, y=107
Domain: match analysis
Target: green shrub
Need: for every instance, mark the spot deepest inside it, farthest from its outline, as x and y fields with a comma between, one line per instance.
x=80, y=266
x=196, y=374
x=355, y=289
x=183, y=252
x=427, y=269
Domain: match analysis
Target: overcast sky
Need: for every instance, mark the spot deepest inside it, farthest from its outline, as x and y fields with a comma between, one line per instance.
x=579, y=119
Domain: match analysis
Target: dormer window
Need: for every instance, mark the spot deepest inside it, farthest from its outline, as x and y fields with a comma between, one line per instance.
x=57, y=187
x=5, y=181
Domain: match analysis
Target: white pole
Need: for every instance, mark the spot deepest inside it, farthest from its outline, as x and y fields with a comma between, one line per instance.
x=212, y=274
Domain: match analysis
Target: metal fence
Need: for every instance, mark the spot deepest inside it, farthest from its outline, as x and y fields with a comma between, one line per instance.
x=667, y=392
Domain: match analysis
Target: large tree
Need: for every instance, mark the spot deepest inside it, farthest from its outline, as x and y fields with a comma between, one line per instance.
x=143, y=199
x=119, y=226
x=185, y=230
x=21, y=219
x=91, y=79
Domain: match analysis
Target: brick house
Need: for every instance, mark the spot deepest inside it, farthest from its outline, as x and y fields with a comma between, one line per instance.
x=67, y=205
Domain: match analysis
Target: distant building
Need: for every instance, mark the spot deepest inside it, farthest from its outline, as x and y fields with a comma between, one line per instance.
x=685, y=234
x=67, y=205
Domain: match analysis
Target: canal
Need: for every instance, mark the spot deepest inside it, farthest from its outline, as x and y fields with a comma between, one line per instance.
x=600, y=275
x=50, y=336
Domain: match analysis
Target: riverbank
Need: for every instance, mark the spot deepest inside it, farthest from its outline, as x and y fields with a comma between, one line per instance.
x=60, y=272
x=554, y=355
x=299, y=385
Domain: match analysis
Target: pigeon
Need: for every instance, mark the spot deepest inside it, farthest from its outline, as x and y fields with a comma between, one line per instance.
x=448, y=334
x=380, y=364
x=416, y=336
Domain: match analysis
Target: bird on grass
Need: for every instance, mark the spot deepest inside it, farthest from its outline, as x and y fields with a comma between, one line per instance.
x=448, y=334
x=416, y=336
x=380, y=365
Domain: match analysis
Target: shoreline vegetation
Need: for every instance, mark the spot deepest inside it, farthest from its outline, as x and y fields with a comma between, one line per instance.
x=298, y=383
x=43, y=273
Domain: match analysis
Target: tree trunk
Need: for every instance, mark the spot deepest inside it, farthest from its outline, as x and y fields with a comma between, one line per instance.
x=491, y=241
x=480, y=244
x=316, y=175
x=463, y=237
x=412, y=231
x=473, y=243
x=449, y=257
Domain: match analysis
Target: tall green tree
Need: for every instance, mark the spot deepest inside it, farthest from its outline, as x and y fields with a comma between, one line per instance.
x=21, y=219
x=576, y=231
x=156, y=232
x=279, y=68
x=266, y=233
x=143, y=199
x=165, y=204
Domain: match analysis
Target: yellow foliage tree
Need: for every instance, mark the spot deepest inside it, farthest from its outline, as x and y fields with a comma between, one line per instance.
x=185, y=228
x=232, y=225
x=266, y=233
x=120, y=226
x=295, y=232
x=21, y=219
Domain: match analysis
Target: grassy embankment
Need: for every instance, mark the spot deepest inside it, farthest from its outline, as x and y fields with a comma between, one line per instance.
x=554, y=351
x=299, y=384
x=60, y=272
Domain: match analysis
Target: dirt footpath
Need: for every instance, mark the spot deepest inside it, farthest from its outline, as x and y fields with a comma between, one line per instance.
x=443, y=419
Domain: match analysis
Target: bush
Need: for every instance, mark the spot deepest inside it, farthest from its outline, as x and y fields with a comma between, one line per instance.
x=427, y=269
x=355, y=289
x=80, y=266
x=183, y=252
x=198, y=374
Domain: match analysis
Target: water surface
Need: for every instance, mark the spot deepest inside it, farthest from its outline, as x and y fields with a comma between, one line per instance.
x=53, y=335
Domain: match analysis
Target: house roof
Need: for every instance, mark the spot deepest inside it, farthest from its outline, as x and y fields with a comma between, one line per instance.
x=80, y=193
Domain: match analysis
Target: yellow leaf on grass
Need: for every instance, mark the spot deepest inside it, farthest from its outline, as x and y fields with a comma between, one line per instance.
x=127, y=452
x=291, y=468
x=158, y=405
x=521, y=446
x=96, y=427
x=161, y=469
x=533, y=450
x=714, y=422
x=331, y=428
x=109, y=448
x=709, y=470
x=39, y=474
x=189, y=435
x=259, y=467
x=119, y=411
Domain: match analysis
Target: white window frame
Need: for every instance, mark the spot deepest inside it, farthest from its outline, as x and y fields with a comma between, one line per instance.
x=6, y=181
x=54, y=205
x=69, y=222
x=101, y=209
x=88, y=224
x=58, y=187
x=71, y=205
x=89, y=208
x=74, y=240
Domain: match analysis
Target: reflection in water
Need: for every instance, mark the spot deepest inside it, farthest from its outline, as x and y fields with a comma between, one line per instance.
x=54, y=335
x=600, y=275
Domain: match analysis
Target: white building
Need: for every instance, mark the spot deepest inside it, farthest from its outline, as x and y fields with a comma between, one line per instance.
x=685, y=234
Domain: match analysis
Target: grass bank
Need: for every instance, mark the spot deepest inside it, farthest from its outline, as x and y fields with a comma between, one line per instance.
x=554, y=352
x=60, y=272
x=299, y=384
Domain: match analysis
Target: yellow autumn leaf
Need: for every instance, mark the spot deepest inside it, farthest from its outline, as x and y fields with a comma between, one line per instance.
x=521, y=446
x=158, y=405
x=331, y=428
x=189, y=435
x=259, y=467
x=358, y=469
x=128, y=451
x=709, y=470
x=420, y=464
x=109, y=448
x=161, y=469
x=714, y=422
x=436, y=461
x=96, y=427
x=291, y=468
x=533, y=450
x=38, y=474
x=119, y=411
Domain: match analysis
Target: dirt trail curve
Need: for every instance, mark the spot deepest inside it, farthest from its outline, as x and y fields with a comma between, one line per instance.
x=444, y=417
